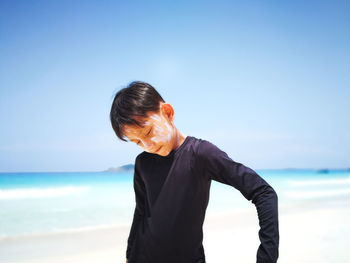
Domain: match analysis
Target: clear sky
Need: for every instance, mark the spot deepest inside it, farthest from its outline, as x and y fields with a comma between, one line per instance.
x=266, y=81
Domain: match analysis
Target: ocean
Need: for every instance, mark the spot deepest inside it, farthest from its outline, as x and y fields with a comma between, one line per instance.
x=42, y=203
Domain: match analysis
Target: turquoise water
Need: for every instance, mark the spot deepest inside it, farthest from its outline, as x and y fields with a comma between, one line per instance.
x=34, y=203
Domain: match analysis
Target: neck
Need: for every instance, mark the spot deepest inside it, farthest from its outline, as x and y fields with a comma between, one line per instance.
x=179, y=138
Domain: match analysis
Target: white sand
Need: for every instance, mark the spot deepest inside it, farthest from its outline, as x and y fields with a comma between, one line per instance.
x=313, y=232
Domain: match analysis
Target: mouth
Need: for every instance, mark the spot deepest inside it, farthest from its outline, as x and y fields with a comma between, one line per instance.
x=158, y=149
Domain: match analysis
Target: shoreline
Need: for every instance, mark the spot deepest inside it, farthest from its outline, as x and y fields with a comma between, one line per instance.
x=232, y=235
x=283, y=209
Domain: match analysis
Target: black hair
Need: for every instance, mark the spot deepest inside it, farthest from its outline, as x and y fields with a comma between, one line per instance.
x=137, y=99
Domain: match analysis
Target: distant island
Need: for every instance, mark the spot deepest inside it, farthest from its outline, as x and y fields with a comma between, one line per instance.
x=324, y=170
x=123, y=168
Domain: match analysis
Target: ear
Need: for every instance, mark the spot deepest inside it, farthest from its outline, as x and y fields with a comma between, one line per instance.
x=168, y=111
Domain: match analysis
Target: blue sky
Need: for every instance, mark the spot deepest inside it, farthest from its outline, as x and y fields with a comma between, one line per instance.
x=266, y=81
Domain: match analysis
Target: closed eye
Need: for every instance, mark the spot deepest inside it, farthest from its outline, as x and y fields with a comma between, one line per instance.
x=146, y=135
x=149, y=131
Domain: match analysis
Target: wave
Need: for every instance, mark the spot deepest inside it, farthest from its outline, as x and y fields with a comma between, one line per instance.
x=88, y=228
x=339, y=181
x=57, y=231
x=316, y=194
x=18, y=193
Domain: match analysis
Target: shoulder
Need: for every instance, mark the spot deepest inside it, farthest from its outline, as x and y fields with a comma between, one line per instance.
x=145, y=156
x=207, y=149
x=141, y=159
x=140, y=156
x=207, y=152
x=207, y=158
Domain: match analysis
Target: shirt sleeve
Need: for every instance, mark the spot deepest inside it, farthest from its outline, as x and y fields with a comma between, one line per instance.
x=220, y=167
x=140, y=193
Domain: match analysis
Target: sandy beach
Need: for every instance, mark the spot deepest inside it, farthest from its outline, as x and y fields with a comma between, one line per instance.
x=314, y=231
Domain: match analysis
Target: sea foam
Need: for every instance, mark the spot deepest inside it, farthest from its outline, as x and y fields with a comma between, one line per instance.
x=17, y=193
x=335, y=181
x=316, y=194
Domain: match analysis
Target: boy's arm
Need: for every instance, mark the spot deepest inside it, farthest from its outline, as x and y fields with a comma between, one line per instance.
x=220, y=167
x=139, y=189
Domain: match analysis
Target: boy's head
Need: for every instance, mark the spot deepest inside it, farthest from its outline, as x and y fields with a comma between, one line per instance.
x=140, y=114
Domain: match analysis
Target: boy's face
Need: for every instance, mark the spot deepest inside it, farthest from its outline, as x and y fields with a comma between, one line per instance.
x=157, y=135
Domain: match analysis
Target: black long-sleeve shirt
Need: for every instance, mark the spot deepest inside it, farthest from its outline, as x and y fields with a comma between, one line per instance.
x=172, y=194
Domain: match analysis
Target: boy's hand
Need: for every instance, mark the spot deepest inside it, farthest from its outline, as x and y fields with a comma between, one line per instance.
x=126, y=260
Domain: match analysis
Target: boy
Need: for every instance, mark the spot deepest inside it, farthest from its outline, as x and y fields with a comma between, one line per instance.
x=172, y=180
